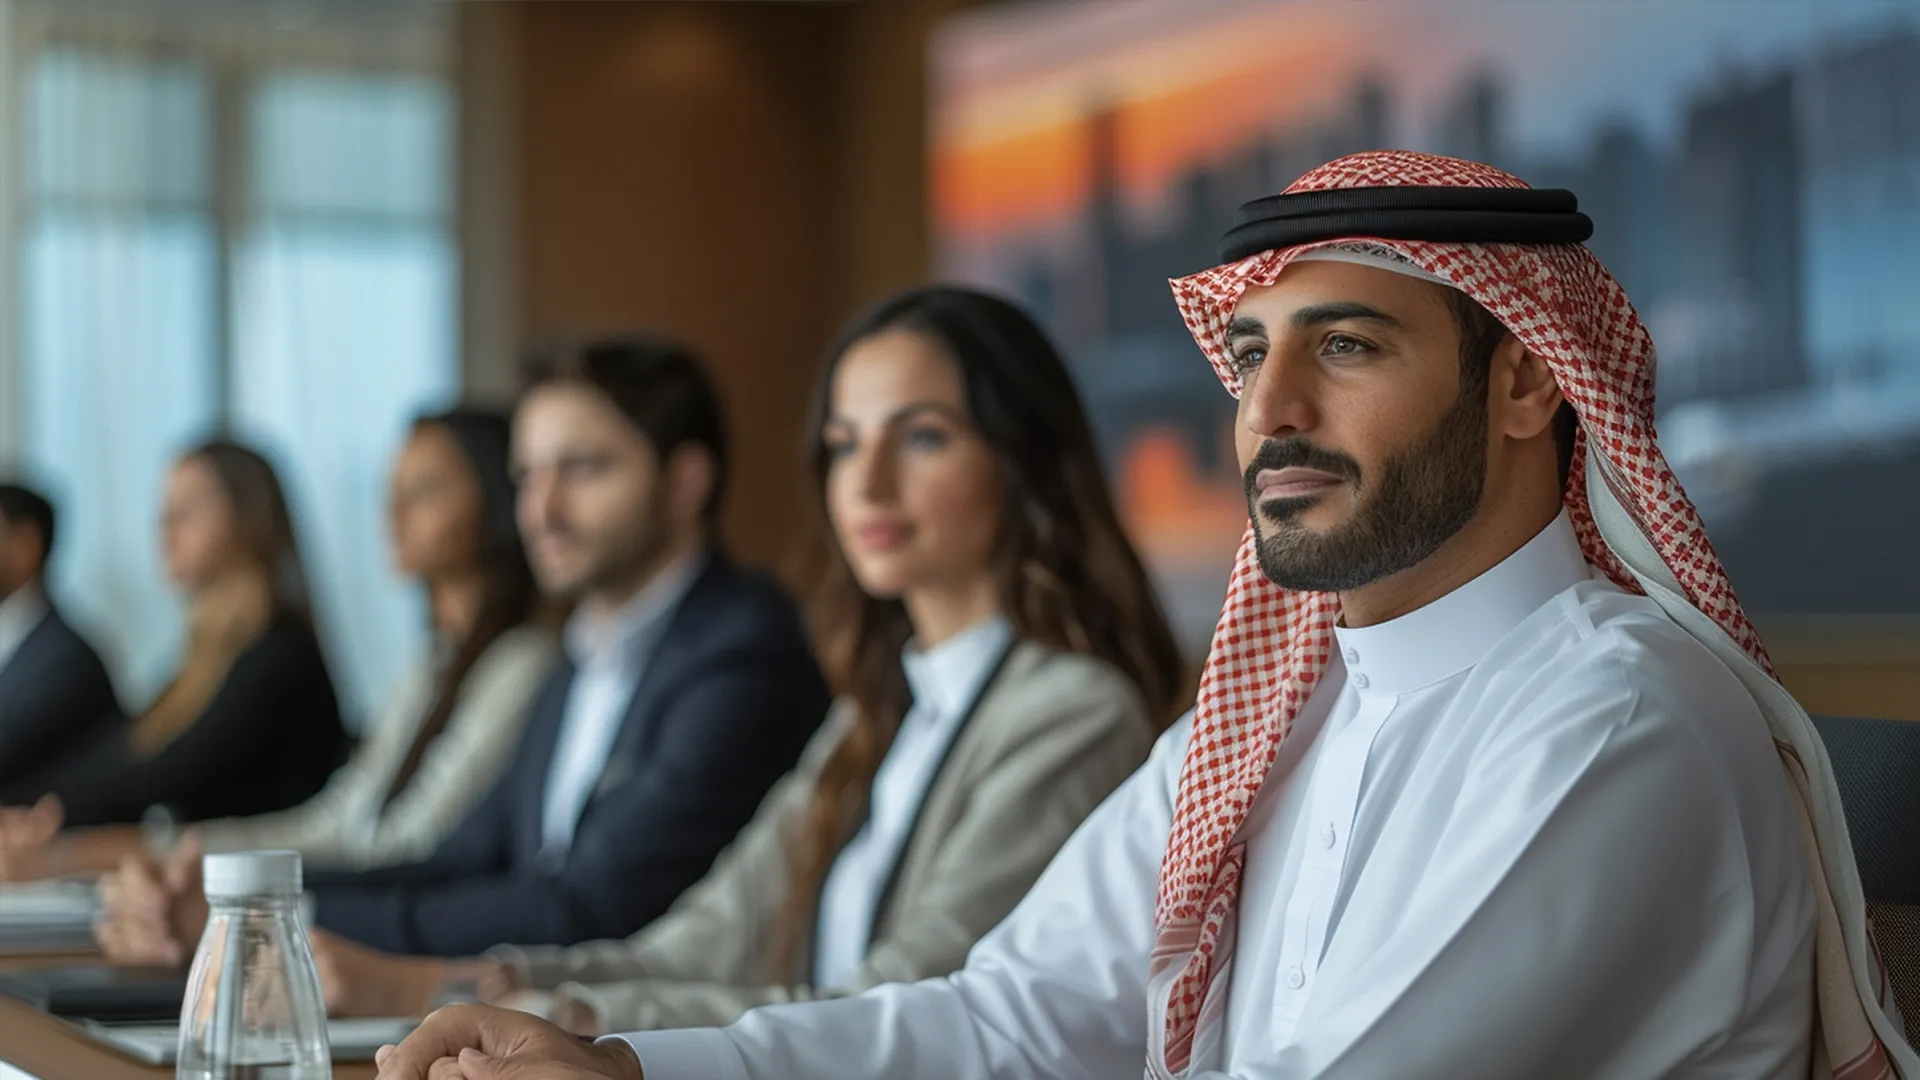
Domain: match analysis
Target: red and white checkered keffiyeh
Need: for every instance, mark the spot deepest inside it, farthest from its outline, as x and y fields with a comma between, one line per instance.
x=1633, y=522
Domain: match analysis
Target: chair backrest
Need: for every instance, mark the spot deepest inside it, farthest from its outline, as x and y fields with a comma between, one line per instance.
x=1877, y=765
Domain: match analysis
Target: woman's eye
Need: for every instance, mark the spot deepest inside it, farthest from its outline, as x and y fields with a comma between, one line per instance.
x=926, y=438
x=583, y=467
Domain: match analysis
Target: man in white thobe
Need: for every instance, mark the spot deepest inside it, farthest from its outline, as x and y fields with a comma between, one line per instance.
x=1487, y=775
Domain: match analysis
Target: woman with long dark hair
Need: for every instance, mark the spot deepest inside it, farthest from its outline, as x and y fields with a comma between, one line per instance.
x=455, y=717
x=453, y=720
x=1002, y=665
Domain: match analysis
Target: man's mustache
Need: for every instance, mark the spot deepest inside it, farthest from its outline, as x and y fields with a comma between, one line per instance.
x=1296, y=452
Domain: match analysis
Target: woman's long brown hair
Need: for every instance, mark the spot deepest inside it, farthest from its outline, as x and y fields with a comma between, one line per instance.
x=1068, y=577
x=508, y=596
x=263, y=532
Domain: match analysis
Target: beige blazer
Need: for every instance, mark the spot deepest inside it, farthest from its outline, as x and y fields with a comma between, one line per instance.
x=1052, y=736
x=350, y=825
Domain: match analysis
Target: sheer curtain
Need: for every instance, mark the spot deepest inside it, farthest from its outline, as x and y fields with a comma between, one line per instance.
x=229, y=228
x=118, y=331
x=344, y=327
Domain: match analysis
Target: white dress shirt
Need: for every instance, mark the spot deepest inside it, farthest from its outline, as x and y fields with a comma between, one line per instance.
x=20, y=614
x=1530, y=830
x=610, y=652
x=945, y=680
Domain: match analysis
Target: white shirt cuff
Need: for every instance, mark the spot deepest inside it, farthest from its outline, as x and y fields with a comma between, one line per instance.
x=686, y=1054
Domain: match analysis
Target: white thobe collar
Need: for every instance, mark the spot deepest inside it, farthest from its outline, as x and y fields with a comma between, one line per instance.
x=1453, y=633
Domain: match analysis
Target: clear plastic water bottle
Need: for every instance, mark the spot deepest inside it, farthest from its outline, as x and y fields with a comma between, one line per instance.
x=253, y=1009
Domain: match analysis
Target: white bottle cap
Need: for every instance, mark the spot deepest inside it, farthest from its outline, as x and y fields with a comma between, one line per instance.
x=252, y=873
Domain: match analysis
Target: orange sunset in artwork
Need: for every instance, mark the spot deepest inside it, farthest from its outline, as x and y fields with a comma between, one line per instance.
x=1009, y=150
x=1084, y=151
x=1176, y=514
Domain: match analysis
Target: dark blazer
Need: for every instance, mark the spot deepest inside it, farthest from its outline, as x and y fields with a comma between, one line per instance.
x=723, y=708
x=54, y=695
x=268, y=739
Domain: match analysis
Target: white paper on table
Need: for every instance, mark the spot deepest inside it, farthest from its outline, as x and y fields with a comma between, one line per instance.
x=44, y=903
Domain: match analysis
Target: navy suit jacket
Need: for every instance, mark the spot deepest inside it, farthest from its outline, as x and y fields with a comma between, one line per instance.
x=722, y=711
x=54, y=695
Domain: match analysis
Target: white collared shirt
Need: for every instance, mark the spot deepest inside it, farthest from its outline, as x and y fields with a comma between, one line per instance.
x=20, y=614
x=610, y=652
x=1530, y=830
x=945, y=681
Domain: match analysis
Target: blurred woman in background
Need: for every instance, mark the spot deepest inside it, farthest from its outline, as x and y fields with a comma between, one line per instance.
x=451, y=724
x=1002, y=665
x=456, y=716
x=249, y=723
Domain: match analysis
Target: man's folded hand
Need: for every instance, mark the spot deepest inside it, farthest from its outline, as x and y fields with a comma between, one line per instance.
x=486, y=1043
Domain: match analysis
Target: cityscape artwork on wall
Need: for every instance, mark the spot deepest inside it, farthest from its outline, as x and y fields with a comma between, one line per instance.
x=1753, y=171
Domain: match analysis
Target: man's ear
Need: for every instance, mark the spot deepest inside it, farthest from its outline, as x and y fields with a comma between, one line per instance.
x=35, y=554
x=690, y=476
x=1526, y=397
x=19, y=552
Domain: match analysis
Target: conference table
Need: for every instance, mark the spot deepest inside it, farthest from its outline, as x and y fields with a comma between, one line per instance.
x=48, y=1048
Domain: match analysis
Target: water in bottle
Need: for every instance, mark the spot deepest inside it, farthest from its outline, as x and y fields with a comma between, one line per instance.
x=253, y=1009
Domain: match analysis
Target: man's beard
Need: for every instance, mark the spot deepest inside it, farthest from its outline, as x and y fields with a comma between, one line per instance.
x=1424, y=496
x=631, y=555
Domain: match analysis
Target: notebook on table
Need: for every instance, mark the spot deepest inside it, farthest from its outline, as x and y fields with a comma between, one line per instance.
x=159, y=1044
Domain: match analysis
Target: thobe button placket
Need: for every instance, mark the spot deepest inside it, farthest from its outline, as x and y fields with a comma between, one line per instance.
x=1352, y=656
x=1329, y=835
x=1360, y=680
x=1296, y=977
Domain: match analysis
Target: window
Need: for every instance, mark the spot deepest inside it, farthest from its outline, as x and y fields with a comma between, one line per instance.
x=231, y=229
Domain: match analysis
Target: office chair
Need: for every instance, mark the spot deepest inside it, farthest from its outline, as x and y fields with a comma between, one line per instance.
x=1877, y=765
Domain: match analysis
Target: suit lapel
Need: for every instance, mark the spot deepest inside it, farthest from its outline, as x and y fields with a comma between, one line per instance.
x=996, y=676
x=986, y=688
x=39, y=647
x=543, y=736
x=678, y=649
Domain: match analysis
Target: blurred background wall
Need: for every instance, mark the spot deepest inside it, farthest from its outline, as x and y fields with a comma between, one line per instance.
x=307, y=220
x=743, y=175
